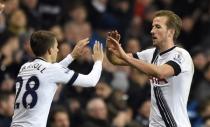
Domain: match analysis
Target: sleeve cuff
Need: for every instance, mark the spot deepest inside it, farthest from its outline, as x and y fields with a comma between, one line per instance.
x=70, y=57
x=73, y=78
x=175, y=66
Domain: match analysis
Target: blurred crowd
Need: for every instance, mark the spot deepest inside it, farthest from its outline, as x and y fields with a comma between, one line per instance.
x=122, y=96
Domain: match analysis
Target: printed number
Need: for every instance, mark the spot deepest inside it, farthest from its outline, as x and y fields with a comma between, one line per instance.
x=31, y=86
x=19, y=84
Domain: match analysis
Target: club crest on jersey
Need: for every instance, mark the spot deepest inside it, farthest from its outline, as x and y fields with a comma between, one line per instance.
x=156, y=80
x=178, y=58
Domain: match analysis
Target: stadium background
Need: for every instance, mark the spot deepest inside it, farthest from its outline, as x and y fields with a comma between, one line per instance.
x=122, y=96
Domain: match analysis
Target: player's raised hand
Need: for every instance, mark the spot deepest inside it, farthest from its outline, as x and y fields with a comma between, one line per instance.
x=117, y=48
x=79, y=48
x=115, y=35
x=1, y=7
x=98, y=53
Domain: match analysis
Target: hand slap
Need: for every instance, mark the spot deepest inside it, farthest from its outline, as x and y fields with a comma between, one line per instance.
x=98, y=53
x=79, y=48
x=83, y=42
x=117, y=48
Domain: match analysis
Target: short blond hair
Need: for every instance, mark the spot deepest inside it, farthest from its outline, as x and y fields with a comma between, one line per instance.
x=173, y=22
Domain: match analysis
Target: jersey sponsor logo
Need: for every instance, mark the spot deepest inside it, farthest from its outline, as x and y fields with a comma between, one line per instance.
x=156, y=80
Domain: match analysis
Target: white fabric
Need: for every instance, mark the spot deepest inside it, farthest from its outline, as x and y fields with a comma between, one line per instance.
x=48, y=76
x=177, y=88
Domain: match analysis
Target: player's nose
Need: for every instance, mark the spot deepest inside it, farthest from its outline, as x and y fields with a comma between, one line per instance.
x=152, y=31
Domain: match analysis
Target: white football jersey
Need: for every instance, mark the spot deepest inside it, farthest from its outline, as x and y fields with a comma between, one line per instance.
x=36, y=85
x=169, y=96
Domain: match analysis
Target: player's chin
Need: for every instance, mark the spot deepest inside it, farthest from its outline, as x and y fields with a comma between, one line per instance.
x=154, y=43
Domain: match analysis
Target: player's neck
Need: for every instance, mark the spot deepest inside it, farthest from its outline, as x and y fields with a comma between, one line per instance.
x=166, y=46
x=47, y=58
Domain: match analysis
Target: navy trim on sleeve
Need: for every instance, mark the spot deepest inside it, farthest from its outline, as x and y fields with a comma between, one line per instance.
x=73, y=78
x=176, y=67
x=135, y=55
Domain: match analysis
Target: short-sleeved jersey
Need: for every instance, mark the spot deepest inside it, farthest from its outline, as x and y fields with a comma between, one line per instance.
x=36, y=85
x=169, y=96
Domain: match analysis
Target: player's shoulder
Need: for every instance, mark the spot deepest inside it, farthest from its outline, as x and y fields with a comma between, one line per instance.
x=181, y=55
x=56, y=66
x=151, y=49
x=181, y=51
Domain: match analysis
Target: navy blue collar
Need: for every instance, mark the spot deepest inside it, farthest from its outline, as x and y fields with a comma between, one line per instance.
x=168, y=50
x=41, y=59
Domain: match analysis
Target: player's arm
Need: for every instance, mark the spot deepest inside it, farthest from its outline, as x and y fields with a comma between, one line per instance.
x=63, y=75
x=77, y=52
x=93, y=77
x=114, y=59
x=163, y=71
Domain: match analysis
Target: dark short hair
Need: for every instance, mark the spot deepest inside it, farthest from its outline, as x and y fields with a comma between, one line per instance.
x=174, y=21
x=41, y=41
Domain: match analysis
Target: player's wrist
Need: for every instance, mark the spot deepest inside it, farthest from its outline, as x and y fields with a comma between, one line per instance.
x=72, y=57
x=126, y=58
x=98, y=60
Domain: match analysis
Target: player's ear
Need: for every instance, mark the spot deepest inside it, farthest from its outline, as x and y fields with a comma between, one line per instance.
x=50, y=50
x=171, y=32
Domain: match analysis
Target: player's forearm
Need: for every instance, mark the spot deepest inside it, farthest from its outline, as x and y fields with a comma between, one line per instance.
x=92, y=78
x=114, y=59
x=67, y=60
x=149, y=69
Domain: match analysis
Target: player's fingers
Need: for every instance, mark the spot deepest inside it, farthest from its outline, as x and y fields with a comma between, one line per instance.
x=115, y=34
x=98, y=46
x=108, y=34
x=112, y=33
x=113, y=41
x=110, y=49
x=118, y=36
x=101, y=48
x=94, y=48
x=84, y=42
x=107, y=39
x=108, y=43
x=81, y=42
